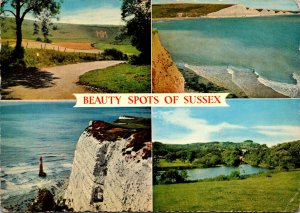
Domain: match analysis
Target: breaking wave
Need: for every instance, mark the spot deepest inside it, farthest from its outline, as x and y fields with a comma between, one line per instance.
x=289, y=90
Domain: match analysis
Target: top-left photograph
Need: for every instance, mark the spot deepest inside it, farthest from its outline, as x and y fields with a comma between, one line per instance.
x=52, y=49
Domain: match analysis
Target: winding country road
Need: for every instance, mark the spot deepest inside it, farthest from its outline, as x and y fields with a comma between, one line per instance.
x=63, y=85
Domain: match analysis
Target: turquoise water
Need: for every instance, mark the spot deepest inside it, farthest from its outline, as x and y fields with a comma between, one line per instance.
x=260, y=4
x=244, y=169
x=49, y=129
x=270, y=45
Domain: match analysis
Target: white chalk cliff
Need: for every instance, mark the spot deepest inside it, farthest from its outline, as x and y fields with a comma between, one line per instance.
x=242, y=11
x=112, y=169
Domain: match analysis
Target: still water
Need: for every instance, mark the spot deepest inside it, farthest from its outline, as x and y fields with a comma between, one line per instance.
x=202, y=173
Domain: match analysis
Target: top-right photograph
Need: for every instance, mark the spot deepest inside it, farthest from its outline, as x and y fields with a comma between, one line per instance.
x=250, y=49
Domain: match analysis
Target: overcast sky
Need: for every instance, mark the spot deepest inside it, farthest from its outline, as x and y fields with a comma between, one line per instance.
x=266, y=121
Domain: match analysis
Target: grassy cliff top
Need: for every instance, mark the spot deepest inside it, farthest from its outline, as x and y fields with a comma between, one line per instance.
x=185, y=10
x=136, y=128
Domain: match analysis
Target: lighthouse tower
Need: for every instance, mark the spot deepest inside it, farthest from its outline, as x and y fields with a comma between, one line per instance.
x=41, y=172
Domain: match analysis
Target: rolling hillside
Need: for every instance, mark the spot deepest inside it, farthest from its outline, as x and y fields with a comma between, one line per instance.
x=64, y=32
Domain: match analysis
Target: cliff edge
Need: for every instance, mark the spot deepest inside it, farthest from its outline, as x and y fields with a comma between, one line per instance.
x=112, y=167
x=166, y=78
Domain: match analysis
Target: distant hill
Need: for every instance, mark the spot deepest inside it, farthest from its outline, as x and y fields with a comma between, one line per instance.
x=248, y=144
x=185, y=10
x=64, y=32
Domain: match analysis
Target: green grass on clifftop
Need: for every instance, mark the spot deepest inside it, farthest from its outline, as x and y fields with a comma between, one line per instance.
x=122, y=78
x=186, y=10
x=278, y=192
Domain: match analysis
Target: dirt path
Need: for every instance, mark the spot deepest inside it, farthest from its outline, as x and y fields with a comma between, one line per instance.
x=64, y=84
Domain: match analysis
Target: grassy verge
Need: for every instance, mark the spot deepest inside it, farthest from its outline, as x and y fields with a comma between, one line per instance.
x=46, y=58
x=123, y=78
x=270, y=193
x=185, y=10
x=125, y=48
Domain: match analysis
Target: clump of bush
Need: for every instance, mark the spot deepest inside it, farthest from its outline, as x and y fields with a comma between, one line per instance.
x=8, y=60
x=173, y=176
x=114, y=54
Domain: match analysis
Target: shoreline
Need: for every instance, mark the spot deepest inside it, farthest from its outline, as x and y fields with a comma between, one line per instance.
x=250, y=83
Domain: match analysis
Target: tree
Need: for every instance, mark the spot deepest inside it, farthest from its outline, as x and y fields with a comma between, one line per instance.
x=231, y=157
x=174, y=176
x=137, y=16
x=171, y=157
x=20, y=8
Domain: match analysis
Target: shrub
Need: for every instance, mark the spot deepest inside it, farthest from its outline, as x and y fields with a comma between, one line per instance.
x=47, y=40
x=6, y=54
x=39, y=39
x=173, y=176
x=235, y=175
x=114, y=54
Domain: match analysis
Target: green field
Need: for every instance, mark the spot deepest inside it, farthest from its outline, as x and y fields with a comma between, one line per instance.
x=187, y=10
x=73, y=33
x=174, y=164
x=125, y=48
x=277, y=192
x=64, y=32
x=123, y=78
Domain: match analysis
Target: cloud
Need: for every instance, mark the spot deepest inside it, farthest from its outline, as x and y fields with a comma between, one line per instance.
x=197, y=130
x=279, y=131
x=99, y=16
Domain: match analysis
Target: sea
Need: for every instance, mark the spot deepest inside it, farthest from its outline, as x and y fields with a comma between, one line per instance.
x=49, y=129
x=268, y=46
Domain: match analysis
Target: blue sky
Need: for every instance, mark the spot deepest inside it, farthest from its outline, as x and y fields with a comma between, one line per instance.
x=266, y=121
x=105, y=12
x=269, y=4
x=89, y=12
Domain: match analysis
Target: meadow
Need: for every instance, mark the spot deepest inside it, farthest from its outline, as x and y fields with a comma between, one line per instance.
x=123, y=78
x=164, y=164
x=272, y=192
x=71, y=35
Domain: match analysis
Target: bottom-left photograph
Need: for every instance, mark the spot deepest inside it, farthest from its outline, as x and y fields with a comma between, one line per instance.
x=55, y=157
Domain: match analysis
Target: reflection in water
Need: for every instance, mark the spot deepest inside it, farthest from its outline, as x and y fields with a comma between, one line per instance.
x=202, y=173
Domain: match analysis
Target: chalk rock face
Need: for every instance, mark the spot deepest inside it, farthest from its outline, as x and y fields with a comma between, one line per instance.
x=166, y=78
x=112, y=167
x=235, y=11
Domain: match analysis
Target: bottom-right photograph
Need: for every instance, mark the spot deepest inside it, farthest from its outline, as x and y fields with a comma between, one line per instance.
x=244, y=157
